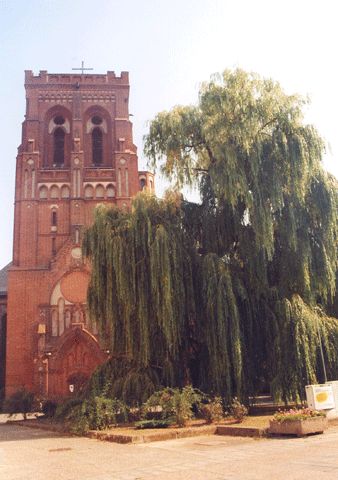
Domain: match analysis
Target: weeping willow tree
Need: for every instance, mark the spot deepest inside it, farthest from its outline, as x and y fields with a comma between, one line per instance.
x=235, y=294
x=141, y=262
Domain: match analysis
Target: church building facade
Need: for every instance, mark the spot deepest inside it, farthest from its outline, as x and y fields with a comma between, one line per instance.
x=77, y=152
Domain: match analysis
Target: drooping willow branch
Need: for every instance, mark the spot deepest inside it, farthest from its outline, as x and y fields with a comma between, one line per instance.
x=232, y=293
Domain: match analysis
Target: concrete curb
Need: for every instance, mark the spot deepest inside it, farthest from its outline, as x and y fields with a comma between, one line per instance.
x=241, y=431
x=166, y=434
x=138, y=437
x=40, y=426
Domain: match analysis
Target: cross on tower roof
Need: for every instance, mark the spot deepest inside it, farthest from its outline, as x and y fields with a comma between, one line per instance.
x=82, y=68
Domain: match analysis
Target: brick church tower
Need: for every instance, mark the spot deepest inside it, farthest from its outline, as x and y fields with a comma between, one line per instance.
x=77, y=151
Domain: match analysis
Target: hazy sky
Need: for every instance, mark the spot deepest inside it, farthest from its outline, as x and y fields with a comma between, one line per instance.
x=169, y=48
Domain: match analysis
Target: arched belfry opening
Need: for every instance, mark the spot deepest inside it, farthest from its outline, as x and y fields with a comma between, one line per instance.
x=97, y=146
x=98, y=137
x=59, y=147
x=58, y=133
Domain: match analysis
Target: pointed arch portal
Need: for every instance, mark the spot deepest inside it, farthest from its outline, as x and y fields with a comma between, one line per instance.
x=73, y=362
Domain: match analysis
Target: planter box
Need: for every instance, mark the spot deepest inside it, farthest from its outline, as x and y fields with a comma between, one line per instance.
x=299, y=427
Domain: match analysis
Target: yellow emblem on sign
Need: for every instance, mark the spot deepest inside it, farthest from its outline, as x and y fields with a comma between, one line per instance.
x=322, y=397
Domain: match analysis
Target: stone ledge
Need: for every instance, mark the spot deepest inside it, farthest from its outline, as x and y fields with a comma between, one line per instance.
x=241, y=431
x=139, y=436
x=165, y=434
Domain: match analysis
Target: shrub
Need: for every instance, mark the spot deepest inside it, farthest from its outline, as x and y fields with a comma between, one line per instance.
x=238, y=410
x=213, y=410
x=96, y=413
x=49, y=408
x=165, y=423
x=20, y=402
x=64, y=409
x=173, y=403
x=152, y=414
x=104, y=412
x=134, y=414
x=125, y=379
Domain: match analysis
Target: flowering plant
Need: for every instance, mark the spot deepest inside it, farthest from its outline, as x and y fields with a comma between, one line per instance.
x=297, y=414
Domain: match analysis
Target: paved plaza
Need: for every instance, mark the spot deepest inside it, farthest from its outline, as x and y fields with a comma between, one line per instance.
x=31, y=454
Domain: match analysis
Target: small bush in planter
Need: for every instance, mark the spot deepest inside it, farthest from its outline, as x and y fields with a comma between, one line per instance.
x=300, y=422
x=297, y=414
x=21, y=401
x=213, y=410
x=238, y=410
x=165, y=423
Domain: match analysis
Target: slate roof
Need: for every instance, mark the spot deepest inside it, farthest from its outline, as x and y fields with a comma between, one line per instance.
x=3, y=279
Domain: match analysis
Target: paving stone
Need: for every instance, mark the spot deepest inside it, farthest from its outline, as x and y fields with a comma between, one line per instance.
x=28, y=454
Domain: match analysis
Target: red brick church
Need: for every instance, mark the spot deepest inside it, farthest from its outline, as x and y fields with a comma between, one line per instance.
x=77, y=152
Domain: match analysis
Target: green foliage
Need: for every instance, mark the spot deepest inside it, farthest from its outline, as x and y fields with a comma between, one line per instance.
x=96, y=413
x=297, y=360
x=233, y=295
x=124, y=379
x=49, y=408
x=146, y=259
x=238, y=410
x=63, y=409
x=21, y=401
x=145, y=424
x=247, y=141
x=174, y=403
